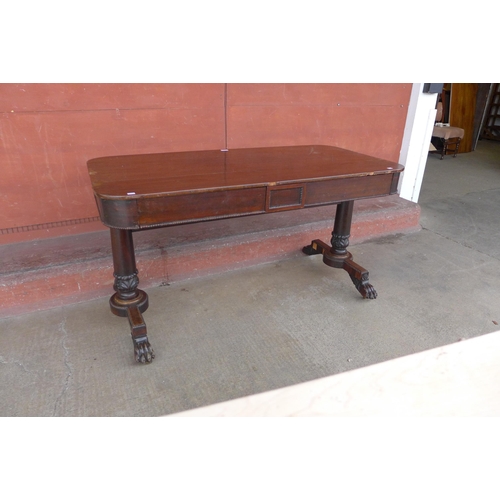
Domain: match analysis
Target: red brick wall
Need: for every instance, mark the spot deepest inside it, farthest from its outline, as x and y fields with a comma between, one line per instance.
x=49, y=131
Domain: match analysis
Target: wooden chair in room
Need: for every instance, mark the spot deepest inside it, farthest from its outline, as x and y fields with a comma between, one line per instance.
x=445, y=138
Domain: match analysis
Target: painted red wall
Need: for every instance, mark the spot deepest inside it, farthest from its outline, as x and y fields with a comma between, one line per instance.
x=49, y=131
x=367, y=118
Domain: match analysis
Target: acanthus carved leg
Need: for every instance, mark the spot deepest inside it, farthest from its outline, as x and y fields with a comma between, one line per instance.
x=126, y=286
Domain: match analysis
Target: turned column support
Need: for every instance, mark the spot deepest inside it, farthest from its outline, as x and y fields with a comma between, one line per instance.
x=128, y=301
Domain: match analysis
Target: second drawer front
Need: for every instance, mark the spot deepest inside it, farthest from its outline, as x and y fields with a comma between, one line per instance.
x=338, y=190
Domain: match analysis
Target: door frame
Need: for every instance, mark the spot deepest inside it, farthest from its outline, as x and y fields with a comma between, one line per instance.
x=416, y=140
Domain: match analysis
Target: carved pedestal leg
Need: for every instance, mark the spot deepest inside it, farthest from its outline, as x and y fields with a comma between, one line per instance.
x=129, y=301
x=337, y=255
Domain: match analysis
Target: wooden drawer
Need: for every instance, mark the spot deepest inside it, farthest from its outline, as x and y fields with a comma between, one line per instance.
x=286, y=197
x=338, y=190
x=184, y=208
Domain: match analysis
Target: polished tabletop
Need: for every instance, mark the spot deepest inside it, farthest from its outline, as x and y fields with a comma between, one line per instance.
x=134, y=176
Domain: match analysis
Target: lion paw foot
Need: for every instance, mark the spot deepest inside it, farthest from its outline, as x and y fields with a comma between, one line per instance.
x=364, y=288
x=143, y=351
x=367, y=291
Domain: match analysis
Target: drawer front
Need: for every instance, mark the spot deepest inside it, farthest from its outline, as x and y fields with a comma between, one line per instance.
x=184, y=208
x=287, y=197
x=338, y=190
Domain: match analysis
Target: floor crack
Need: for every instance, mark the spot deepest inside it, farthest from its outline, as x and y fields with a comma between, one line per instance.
x=69, y=374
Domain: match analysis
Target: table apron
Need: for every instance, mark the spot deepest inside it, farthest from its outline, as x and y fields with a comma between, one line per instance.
x=182, y=208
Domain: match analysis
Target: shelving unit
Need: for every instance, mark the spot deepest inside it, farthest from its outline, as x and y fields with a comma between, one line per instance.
x=491, y=128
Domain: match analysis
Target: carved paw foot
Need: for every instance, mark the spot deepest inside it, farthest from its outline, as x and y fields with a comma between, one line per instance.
x=364, y=288
x=143, y=351
x=367, y=291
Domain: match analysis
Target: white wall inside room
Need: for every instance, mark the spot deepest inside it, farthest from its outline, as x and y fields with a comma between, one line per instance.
x=416, y=140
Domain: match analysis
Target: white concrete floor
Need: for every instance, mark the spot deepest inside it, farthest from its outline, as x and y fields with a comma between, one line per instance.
x=273, y=325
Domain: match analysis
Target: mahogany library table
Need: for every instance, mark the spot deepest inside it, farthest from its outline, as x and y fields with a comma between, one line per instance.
x=145, y=191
